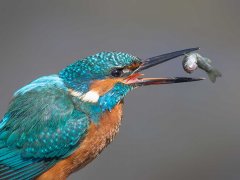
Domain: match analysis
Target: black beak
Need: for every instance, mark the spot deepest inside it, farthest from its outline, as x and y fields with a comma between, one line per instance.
x=171, y=80
x=153, y=61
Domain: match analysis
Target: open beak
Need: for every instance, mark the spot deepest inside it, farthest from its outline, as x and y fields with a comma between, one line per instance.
x=135, y=79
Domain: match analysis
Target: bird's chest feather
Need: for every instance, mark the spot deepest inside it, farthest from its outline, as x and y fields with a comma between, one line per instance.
x=97, y=137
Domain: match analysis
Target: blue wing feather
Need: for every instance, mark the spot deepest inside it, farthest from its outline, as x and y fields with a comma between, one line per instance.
x=40, y=128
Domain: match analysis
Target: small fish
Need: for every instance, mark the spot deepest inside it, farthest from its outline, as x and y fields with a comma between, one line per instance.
x=194, y=60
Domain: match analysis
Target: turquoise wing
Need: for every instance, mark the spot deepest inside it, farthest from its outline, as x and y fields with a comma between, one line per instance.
x=40, y=128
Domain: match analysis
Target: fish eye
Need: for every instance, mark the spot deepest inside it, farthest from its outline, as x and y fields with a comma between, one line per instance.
x=116, y=72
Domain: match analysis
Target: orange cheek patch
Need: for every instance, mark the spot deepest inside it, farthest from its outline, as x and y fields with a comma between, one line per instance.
x=134, y=66
x=103, y=86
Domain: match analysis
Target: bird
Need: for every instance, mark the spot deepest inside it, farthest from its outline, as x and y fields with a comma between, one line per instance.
x=59, y=123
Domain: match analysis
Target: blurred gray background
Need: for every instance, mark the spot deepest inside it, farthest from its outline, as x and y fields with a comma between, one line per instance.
x=172, y=132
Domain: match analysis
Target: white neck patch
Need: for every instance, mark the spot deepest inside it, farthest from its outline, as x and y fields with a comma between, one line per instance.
x=75, y=93
x=90, y=96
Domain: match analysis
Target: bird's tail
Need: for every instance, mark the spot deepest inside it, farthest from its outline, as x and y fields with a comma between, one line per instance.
x=213, y=74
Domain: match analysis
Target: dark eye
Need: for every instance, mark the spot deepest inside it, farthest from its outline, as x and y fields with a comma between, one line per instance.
x=116, y=72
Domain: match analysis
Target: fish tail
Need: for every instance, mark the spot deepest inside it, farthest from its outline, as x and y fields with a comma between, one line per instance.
x=213, y=74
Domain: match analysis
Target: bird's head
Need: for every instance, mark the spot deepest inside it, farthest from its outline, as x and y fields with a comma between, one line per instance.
x=102, y=80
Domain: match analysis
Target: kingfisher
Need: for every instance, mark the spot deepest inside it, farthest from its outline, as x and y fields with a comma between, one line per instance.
x=59, y=123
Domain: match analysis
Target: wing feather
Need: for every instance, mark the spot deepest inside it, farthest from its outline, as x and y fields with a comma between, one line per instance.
x=40, y=128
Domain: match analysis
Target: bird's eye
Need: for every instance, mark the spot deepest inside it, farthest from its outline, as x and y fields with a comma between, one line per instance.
x=117, y=72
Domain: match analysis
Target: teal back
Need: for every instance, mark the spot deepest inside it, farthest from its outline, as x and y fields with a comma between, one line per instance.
x=41, y=127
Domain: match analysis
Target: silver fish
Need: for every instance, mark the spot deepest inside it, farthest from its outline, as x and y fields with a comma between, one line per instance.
x=194, y=60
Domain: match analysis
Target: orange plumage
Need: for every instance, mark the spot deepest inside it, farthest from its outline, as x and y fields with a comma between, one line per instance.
x=97, y=138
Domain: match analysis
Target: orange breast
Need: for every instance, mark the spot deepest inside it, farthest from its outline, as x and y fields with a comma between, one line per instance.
x=98, y=137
